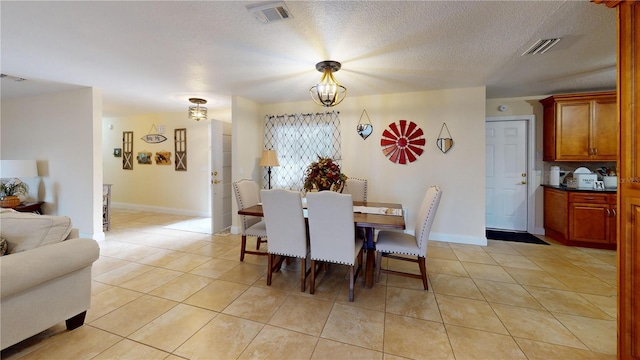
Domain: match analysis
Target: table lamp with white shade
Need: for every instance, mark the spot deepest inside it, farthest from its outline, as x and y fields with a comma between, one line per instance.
x=10, y=173
x=269, y=159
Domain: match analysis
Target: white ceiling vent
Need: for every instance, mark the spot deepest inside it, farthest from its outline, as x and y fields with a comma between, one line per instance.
x=541, y=46
x=269, y=12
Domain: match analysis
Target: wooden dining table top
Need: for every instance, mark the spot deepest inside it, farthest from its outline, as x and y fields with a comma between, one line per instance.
x=378, y=221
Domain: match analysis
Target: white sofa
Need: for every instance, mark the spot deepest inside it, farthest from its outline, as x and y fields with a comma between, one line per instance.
x=45, y=277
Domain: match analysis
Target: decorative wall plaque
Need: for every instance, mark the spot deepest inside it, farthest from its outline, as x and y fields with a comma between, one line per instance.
x=163, y=158
x=153, y=138
x=144, y=157
x=402, y=142
x=127, y=150
x=180, y=137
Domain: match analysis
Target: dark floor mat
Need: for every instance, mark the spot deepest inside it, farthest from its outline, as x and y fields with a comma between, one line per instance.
x=522, y=237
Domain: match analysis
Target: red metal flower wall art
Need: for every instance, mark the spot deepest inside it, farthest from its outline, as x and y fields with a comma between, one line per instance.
x=402, y=142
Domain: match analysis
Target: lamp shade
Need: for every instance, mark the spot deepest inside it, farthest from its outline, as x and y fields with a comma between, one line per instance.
x=18, y=169
x=269, y=158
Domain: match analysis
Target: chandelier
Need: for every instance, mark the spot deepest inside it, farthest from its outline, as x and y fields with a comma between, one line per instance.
x=328, y=92
x=197, y=112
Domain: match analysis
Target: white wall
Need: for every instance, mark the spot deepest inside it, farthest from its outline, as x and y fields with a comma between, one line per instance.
x=62, y=132
x=155, y=187
x=246, y=145
x=460, y=172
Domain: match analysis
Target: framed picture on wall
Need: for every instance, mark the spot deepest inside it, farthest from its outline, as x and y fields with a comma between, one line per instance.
x=117, y=152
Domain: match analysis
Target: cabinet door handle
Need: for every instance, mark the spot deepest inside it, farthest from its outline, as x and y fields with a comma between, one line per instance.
x=614, y=212
x=608, y=212
x=589, y=198
x=595, y=151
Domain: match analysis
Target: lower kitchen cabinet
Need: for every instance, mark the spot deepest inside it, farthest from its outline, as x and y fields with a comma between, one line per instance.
x=580, y=218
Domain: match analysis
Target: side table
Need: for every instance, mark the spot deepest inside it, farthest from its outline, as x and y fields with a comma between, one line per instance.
x=34, y=207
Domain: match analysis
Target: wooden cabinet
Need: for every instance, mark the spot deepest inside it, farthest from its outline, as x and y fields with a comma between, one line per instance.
x=593, y=218
x=580, y=127
x=580, y=218
x=556, y=214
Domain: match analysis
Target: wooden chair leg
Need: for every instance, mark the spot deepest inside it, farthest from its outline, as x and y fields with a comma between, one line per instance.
x=243, y=246
x=303, y=274
x=258, y=243
x=269, y=268
x=312, y=285
x=378, y=264
x=351, y=282
x=423, y=272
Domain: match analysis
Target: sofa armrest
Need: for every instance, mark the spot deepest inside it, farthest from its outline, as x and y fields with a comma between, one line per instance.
x=74, y=234
x=24, y=270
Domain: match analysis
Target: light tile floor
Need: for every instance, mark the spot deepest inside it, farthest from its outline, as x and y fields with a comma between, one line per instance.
x=169, y=294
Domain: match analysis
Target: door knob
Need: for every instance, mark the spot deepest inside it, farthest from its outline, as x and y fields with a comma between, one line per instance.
x=216, y=181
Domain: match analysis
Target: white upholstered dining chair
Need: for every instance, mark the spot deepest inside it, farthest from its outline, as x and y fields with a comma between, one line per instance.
x=390, y=243
x=247, y=195
x=286, y=230
x=357, y=188
x=332, y=234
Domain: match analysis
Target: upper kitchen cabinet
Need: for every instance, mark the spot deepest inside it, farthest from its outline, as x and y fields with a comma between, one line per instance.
x=580, y=127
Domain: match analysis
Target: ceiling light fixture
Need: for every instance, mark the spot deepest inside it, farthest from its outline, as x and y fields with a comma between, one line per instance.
x=198, y=112
x=328, y=92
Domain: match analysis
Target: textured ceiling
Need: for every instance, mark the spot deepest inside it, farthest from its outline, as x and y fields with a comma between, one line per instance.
x=152, y=56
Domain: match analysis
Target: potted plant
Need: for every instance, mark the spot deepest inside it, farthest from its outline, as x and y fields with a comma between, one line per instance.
x=12, y=193
x=324, y=174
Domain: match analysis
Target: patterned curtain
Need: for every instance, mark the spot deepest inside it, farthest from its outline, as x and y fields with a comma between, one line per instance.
x=298, y=140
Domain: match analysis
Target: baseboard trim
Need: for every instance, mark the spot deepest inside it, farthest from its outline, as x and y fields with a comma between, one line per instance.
x=159, y=209
x=459, y=239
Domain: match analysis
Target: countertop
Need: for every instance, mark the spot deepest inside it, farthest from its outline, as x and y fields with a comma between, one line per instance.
x=565, y=188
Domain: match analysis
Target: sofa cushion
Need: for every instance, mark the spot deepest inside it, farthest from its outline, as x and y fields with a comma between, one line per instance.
x=26, y=231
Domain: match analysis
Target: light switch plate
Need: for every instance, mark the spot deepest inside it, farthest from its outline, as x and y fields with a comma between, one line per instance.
x=160, y=129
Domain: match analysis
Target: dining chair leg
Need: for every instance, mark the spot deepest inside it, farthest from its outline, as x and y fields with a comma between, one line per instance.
x=423, y=272
x=258, y=243
x=303, y=274
x=312, y=285
x=378, y=264
x=269, y=268
x=351, y=282
x=243, y=245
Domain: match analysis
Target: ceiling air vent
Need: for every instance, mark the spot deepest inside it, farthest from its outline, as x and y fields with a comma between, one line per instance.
x=11, y=77
x=270, y=11
x=541, y=46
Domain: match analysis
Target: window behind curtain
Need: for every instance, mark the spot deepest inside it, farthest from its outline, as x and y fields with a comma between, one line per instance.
x=298, y=140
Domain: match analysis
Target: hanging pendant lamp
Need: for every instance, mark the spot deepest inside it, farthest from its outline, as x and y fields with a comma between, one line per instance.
x=328, y=92
x=197, y=112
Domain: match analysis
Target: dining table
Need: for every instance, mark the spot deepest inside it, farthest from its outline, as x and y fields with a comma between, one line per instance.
x=368, y=215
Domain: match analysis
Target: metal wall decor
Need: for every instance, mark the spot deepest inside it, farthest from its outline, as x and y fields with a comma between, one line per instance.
x=180, y=137
x=364, y=128
x=444, y=142
x=154, y=138
x=402, y=142
x=127, y=150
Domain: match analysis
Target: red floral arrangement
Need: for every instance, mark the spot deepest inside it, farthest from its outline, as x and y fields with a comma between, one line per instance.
x=324, y=174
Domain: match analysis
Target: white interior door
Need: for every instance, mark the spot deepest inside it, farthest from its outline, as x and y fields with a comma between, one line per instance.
x=506, y=175
x=220, y=175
